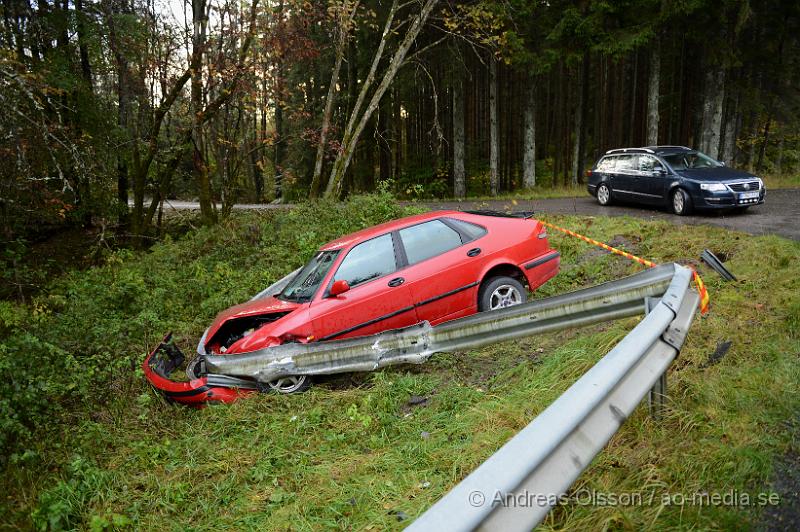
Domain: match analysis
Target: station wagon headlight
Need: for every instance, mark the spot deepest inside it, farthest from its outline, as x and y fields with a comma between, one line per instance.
x=713, y=187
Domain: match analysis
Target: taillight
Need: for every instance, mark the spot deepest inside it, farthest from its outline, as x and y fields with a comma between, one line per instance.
x=588, y=173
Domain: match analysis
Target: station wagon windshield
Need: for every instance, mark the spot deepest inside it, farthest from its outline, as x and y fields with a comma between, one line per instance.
x=690, y=160
x=305, y=284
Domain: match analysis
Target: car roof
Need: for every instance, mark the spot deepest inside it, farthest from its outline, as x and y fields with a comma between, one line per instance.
x=386, y=227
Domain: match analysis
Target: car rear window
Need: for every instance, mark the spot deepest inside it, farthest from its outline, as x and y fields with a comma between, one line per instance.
x=428, y=239
x=607, y=164
x=469, y=231
x=368, y=260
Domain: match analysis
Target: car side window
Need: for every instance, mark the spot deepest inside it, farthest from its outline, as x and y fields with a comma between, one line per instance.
x=368, y=260
x=626, y=163
x=607, y=164
x=649, y=164
x=469, y=231
x=427, y=240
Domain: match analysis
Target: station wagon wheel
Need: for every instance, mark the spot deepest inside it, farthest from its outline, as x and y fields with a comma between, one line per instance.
x=291, y=384
x=603, y=194
x=681, y=202
x=501, y=292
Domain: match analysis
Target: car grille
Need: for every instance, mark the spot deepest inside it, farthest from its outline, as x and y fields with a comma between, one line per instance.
x=740, y=187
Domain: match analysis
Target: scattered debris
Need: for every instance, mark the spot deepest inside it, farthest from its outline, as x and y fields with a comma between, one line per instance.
x=399, y=514
x=425, y=435
x=716, y=264
x=417, y=400
x=719, y=352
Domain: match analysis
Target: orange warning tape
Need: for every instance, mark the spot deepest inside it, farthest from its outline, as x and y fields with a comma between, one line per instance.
x=701, y=287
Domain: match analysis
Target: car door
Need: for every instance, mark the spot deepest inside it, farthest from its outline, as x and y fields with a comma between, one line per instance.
x=376, y=300
x=444, y=261
x=652, y=183
x=626, y=173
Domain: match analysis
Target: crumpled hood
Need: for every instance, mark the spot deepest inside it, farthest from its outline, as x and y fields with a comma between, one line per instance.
x=256, y=307
x=722, y=173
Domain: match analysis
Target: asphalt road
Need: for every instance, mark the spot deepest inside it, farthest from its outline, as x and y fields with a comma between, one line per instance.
x=779, y=215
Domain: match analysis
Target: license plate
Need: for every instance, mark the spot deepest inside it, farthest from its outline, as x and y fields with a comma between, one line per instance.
x=748, y=195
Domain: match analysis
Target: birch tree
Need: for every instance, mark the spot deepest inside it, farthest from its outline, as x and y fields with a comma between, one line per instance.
x=358, y=118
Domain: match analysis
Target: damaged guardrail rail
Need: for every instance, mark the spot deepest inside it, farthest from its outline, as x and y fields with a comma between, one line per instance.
x=542, y=461
x=224, y=377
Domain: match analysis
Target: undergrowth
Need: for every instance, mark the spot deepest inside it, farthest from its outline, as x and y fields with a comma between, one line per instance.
x=90, y=445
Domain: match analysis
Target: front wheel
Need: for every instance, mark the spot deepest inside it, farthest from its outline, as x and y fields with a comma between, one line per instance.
x=681, y=202
x=603, y=195
x=501, y=292
x=292, y=384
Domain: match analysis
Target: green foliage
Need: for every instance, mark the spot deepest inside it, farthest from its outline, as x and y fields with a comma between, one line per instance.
x=81, y=341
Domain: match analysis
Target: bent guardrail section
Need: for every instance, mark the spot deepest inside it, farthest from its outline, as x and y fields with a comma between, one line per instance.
x=415, y=344
x=543, y=460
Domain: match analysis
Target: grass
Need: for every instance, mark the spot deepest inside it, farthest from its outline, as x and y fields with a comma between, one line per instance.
x=353, y=453
x=782, y=181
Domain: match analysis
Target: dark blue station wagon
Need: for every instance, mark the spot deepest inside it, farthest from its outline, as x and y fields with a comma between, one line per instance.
x=675, y=176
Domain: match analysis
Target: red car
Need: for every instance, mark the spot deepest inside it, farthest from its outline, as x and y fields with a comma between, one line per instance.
x=437, y=266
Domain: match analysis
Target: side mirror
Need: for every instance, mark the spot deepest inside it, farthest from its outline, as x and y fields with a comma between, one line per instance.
x=339, y=287
x=722, y=163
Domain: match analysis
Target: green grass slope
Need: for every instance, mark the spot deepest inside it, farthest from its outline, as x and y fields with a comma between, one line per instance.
x=89, y=445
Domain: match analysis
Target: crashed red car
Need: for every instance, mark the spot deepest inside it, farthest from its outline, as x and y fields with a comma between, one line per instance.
x=432, y=267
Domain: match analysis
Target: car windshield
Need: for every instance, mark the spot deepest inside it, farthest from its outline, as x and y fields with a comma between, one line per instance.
x=691, y=160
x=305, y=284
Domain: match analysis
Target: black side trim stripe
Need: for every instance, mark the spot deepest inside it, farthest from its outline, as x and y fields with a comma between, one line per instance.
x=188, y=393
x=539, y=262
x=398, y=312
x=367, y=323
x=446, y=294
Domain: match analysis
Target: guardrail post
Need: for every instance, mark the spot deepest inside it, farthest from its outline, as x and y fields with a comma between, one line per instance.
x=657, y=397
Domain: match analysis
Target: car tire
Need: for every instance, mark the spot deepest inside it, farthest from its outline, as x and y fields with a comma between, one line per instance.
x=680, y=202
x=603, y=194
x=500, y=292
x=291, y=384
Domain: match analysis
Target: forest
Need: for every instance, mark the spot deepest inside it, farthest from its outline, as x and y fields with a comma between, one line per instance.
x=111, y=107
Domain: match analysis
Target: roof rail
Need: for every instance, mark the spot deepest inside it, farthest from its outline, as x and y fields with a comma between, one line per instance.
x=631, y=150
x=668, y=146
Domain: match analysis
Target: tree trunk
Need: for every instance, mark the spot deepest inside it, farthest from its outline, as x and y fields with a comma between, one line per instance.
x=493, y=134
x=529, y=154
x=653, y=94
x=764, y=141
x=345, y=21
x=712, y=112
x=86, y=68
x=208, y=213
x=729, y=144
x=578, y=158
x=459, y=175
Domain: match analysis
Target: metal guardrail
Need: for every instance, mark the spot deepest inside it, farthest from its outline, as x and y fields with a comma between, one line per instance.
x=516, y=487
x=415, y=344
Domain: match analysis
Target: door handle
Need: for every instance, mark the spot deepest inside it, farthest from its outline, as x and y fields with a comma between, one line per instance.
x=397, y=281
x=474, y=252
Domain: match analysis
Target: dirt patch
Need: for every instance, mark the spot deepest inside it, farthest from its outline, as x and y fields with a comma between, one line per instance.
x=786, y=483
